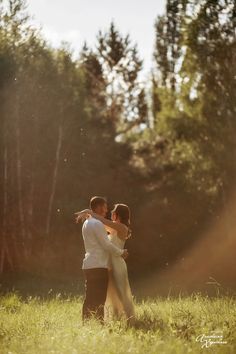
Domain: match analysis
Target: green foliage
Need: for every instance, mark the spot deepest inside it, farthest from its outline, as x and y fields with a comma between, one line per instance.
x=196, y=113
x=121, y=65
x=168, y=44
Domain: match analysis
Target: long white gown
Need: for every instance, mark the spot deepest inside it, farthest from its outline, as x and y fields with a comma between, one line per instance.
x=119, y=302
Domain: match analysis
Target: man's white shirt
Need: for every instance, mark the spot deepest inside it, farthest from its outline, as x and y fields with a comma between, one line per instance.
x=97, y=245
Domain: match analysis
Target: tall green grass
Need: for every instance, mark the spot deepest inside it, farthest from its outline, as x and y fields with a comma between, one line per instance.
x=165, y=326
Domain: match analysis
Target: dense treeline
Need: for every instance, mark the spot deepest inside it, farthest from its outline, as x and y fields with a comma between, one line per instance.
x=71, y=129
x=187, y=156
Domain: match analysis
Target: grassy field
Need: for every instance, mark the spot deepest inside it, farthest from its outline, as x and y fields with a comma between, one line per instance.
x=165, y=326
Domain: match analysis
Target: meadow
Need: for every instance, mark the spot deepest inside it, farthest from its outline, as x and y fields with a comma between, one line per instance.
x=35, y=325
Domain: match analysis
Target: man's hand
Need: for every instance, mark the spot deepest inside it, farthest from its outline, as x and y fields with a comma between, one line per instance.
x=125, y=254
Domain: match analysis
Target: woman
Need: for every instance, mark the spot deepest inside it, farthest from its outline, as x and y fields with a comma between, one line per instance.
x=119, y=302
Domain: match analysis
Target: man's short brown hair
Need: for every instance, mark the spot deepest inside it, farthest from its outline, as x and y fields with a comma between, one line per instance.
x=97, y=201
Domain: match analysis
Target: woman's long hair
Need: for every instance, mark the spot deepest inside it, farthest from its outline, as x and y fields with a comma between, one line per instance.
x=123, y=212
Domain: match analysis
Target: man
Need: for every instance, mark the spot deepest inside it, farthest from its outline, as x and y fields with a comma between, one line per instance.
x=95, y=264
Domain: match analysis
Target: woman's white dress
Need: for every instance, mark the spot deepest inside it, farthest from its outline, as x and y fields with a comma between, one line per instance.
x=119, y=302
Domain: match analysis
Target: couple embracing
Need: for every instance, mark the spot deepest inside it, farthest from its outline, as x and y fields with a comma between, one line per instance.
x=107, y=289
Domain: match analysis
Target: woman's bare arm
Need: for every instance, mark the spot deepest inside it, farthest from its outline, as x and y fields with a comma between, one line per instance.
x=121, y=229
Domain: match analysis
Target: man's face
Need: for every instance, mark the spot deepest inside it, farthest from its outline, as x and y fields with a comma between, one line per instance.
x=102, y=210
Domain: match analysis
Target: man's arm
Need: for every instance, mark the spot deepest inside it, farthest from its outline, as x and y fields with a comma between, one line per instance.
x=104, y=241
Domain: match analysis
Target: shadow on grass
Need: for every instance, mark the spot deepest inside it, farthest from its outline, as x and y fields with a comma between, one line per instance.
x=149, y=324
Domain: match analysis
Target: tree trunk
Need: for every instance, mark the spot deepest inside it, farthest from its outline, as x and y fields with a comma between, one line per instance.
x=5, y=254
x=19, y=179
x=31, y=230
x=30, y=207
x=54, y=180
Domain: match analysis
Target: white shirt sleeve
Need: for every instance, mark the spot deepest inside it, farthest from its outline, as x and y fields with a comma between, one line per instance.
x=104, y=241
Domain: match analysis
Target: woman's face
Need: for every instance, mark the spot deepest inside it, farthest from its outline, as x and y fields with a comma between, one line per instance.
x=113, y=216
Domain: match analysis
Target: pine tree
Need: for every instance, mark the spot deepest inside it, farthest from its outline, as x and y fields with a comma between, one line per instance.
x=121, y=67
